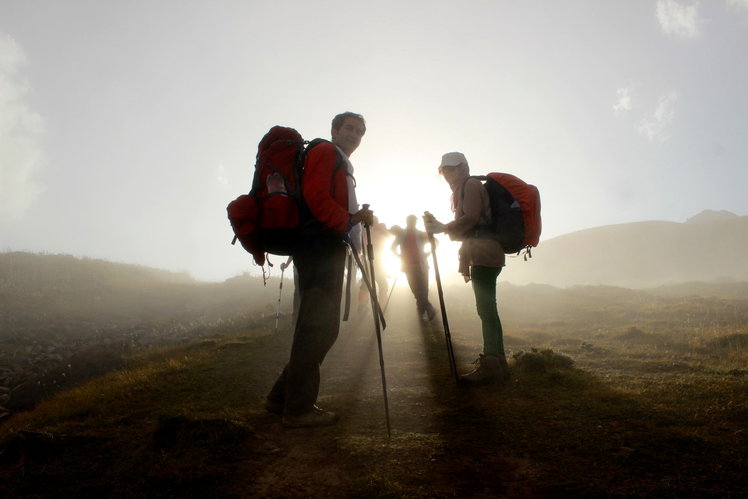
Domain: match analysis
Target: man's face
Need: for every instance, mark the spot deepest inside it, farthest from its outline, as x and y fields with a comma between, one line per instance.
x=349, y=135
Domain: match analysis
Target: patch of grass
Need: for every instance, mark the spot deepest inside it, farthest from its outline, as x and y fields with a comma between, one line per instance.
x=636, y=335
x=541, y=361
x=736, y=341
x=149, y=429
x=547, y=366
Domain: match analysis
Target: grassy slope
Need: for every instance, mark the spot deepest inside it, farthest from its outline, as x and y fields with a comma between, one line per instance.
x=653, y=406
x=186, y=422
x=64, y=319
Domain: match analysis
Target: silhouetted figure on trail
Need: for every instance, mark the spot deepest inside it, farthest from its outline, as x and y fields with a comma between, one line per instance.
x=330, y=194
x=481, y=259
x=409, y=245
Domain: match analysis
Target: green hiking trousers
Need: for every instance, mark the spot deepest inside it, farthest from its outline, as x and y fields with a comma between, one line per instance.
x=484, y=287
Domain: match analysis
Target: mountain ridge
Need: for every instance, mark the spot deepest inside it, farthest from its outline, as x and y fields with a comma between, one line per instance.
x=641, y=254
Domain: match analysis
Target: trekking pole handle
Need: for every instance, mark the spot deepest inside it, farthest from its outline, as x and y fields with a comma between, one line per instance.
x=369, y=246
x=365, y=207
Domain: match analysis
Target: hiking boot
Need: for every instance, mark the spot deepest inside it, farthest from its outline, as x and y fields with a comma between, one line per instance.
x=430, y=313
x=315, y=417
x=487, y=370
x=272, y=406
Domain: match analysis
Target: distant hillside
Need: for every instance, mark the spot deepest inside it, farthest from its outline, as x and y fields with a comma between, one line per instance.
x=709, y=247
x=82, y=295
x=707, y=216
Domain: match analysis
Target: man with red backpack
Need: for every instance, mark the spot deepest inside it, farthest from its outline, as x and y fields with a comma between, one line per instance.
x=328, y=189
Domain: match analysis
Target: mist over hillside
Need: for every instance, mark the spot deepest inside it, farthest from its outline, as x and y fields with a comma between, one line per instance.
x=51, y=294
x=708, y=247
x=64, y=319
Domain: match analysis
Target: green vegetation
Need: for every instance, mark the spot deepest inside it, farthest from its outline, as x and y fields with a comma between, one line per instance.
x=614, y=393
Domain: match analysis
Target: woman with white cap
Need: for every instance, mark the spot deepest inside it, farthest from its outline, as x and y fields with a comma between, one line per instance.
x=481, y=259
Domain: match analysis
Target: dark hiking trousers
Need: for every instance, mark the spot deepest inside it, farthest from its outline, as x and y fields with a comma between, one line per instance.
x=484, y=287
x=418, y=280
x=320, y=262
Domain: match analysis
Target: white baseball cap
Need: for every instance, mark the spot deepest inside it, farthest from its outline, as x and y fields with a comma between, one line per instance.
x=452, y=159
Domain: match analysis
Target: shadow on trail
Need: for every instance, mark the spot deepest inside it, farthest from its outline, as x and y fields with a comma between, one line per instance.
x=354, y=366
x=469, y=460
x=554, y=433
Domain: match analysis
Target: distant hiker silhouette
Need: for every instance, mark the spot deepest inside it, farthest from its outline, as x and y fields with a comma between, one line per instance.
x=409, y=245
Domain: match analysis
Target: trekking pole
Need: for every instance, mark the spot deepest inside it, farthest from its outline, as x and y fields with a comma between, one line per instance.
x=447, y=335
x=375, y=308
x=364, y=271
x=392, y=288
x=280, y=293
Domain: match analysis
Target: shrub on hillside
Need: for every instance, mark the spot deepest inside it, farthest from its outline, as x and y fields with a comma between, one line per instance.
x=541, y=361
x=737, y=341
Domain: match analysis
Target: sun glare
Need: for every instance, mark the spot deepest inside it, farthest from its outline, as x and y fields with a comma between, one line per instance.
x=409, y=185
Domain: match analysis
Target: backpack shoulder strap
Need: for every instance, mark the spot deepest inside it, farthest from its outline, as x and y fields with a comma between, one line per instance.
x=482, y=178
x=339, y=162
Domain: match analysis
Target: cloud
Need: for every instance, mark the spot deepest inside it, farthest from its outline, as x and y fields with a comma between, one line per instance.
x=655, y=127
x=21, y=130
x=738, y=5
x=623, y=103
x=678, y=20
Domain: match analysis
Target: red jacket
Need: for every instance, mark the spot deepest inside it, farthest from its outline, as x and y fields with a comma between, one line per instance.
x=325, y=188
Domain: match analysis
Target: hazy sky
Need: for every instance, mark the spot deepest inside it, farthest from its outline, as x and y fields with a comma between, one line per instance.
x=126, y=127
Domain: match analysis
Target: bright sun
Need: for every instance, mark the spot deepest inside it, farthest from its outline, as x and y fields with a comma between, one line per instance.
x=396, y=189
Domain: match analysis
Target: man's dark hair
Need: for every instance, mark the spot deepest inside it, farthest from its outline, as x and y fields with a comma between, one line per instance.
x=338, y=120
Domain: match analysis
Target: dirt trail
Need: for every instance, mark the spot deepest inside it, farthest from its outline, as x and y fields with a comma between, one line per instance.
x=556, y=435
x=443, y=441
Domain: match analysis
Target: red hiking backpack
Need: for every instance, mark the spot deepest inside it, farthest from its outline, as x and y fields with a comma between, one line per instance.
x=269, y=218
x=515, y=211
